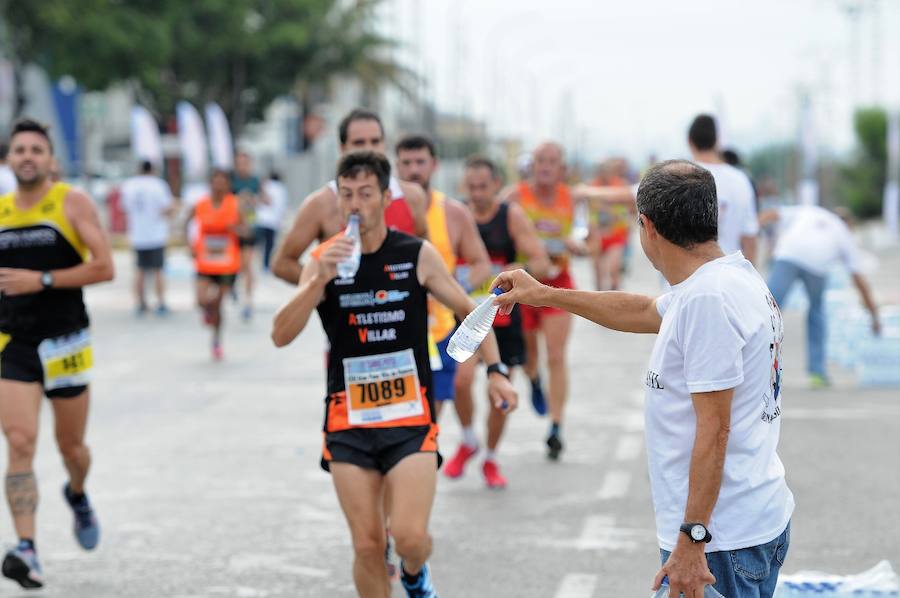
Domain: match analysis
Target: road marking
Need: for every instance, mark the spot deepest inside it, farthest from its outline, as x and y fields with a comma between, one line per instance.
x=629, y=447
x=633, y=421
x=599, y=532
x=577, y=585
x=615, y=484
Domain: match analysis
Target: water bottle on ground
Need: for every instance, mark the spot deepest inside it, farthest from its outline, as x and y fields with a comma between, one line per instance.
x=467, y=338
x=348, y=267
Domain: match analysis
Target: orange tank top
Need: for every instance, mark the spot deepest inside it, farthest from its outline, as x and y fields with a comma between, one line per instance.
x=440, y=318
x=216, y=249
x=553, y=222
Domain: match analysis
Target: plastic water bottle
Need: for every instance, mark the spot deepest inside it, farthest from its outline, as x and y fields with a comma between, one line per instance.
x=467, y=338
x=580, y=222
x=348, y=268
x=663, y=591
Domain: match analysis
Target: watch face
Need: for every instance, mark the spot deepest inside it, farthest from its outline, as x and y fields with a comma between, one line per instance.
x=698, y=532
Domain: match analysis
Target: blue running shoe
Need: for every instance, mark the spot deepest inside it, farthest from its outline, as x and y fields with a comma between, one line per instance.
x=537, y=397
x=21, y=565
x=418, y=586
x=87, y=529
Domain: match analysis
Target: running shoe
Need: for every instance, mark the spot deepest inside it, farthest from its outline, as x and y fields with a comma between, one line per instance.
x=217, y=353
x=537, y=397
x=163, y=310
x=818, y=381
x=418, y=586
x=455, y=466
x=554, y=447
x=492, y=475
x=393, y=570
x=140, y=310
x=87, y=529
x=21, y=565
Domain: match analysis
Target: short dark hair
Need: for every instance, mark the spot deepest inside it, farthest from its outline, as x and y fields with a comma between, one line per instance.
x=702, y=133
x=483, y=162
x=731, y=157
x=679, y=198
x=355, y=163
x=27, y=125
x=355, y=115
x=4, y=150
x=146, y=167
x=416, y=142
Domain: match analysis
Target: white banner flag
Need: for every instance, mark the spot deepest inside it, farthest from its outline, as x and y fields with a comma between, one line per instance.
x=221, y=147
x=192, y=139
x=145, y=142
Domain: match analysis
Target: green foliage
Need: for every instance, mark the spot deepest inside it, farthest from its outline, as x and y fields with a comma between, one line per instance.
x=240, y=53
x=779, y=162
x=862, y=180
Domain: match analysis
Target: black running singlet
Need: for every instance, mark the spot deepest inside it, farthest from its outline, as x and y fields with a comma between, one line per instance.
x=377, y=326
x=40, y=238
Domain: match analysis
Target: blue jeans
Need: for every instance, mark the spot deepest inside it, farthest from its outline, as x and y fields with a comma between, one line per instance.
x=747, y=572
x=782, y=275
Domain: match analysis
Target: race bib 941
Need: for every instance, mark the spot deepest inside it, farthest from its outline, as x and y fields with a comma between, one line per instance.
x=67, y=360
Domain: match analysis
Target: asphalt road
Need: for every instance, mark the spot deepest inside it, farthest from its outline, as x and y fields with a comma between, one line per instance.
x=207, y=483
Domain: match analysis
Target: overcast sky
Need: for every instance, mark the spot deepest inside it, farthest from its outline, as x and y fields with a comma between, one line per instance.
x=627, y=77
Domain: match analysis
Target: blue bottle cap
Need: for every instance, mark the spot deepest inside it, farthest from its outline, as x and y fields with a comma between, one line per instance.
x=497, y=292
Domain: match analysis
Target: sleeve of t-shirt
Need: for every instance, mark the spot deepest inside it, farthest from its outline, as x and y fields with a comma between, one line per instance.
x=662, y=303
x=849, y=250
x=165, y=193
x=750, y=227
x=711, y=343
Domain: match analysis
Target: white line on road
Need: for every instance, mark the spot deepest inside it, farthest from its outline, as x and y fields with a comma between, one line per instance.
x=628, y=447
x=577, y=585
x=615, y=484
x=600, y=533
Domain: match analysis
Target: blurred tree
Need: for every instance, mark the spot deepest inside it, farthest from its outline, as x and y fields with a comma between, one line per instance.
x=862, y=180
x=239, y=53
x=779, y=162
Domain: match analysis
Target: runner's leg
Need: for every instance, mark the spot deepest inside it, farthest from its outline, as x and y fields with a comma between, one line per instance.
x=359, y=492
x=160, y=287
x=139, y=292
x=20, y=408
x=465, y=408
x=413, y=482
x=556, y=328
x=70, y=417
x=614, y=266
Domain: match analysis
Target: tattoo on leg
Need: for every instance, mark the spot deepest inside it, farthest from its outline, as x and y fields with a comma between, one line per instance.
x=22, y=493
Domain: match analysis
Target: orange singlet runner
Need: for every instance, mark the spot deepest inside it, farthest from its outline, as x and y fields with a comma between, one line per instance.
x=216, y=249
x=554, y=224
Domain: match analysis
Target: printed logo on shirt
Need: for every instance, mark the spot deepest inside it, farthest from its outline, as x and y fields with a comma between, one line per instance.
x=371, y=298
x=404, y=267
x=652, y=381
x=368, y=335
x=378, y=317
x=31, y=237
x=398, y=275
x=771, y=405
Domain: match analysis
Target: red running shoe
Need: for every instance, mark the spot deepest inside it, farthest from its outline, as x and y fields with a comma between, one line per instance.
x=454, y=467
x=492, y=476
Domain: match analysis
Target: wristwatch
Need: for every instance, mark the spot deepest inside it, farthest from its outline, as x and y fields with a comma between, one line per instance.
x=499, y=368
x=47, y=279
x=697, y=532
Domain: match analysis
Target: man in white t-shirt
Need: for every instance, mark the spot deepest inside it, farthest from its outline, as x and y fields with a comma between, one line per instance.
x=269, y=216
x=148, y=206
x=738, y=226
x=713, y=398
x=810, y=240
x=8, y=181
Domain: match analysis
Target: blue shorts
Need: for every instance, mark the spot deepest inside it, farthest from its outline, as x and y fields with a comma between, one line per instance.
x=443, y=378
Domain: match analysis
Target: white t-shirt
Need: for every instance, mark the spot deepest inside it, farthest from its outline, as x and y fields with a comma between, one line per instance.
x=8, y=181
x=270, y=215
x=737, y=205
x=720, y=329
x=146, y=199
x=813, y=238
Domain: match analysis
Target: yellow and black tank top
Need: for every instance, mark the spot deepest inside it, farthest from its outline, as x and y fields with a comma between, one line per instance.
x=41, y=238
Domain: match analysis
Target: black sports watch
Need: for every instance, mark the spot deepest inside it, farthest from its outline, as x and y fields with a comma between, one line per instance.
x=697, y=532
x=499, y=368
x=47, y=279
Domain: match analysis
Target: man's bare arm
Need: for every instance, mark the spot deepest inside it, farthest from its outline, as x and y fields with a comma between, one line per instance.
x=415, y=199
x=306, y=228
x=470, y=247
x=865, y=292
x=80, y=211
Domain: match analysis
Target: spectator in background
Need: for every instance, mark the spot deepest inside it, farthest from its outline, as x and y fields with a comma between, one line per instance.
x=810, y=240
x=246, y=186
x=611, y=226
x=148, y=205
x=269, y=215
x=738, y=225
x=8, y=181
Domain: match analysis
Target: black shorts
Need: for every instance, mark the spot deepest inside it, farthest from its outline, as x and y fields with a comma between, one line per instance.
x=21, y=361
x=511, y=342
x=151, y=259
x=379, y=448
x=223, y=280
x=247, y=241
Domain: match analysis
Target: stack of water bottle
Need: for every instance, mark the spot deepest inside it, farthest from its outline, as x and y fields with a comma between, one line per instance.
x=878, y=582
x=850, y=342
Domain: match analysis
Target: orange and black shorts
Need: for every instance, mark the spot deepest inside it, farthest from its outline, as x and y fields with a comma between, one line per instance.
x=379, y=448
